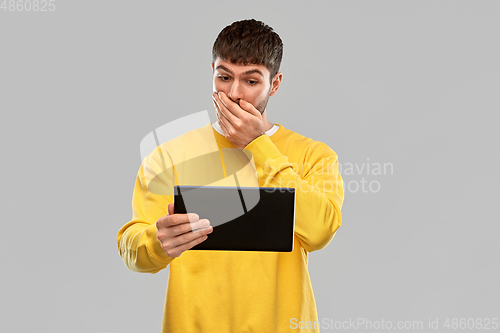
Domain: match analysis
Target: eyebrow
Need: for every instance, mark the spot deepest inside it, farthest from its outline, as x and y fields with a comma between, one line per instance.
x=252, y=71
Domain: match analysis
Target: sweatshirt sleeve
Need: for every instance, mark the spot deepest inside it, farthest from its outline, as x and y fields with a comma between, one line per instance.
x=138, y=245
x=319, y=192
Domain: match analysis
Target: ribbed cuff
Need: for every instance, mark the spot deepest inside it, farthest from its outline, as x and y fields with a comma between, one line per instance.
x=154, y=245
x=262, y=149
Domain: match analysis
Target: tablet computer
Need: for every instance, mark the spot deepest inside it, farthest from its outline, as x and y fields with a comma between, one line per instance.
x=243, y=218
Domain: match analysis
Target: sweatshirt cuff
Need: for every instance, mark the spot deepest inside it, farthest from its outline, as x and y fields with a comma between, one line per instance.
x=262, y=149
x=154, y=245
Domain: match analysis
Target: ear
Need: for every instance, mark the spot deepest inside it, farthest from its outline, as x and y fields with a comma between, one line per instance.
x=212, y=65
x=275, y=84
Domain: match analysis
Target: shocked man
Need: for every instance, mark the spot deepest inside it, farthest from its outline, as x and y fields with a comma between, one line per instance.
x=238, y=291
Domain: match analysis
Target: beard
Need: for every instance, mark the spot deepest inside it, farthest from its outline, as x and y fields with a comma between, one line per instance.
x=261, y=107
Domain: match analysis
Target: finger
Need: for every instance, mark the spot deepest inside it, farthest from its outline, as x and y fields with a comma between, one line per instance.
x=176, y=219
x=224, y=124
x=170, y=208
x=216, y=106
x=229, y=109
x=218, y=112
x=219, y=105
x=223, y=103
x=246, y=106
x=188, y=237
x=190, y=227
x=177, y=251
x=233, y=107
x=235, y=110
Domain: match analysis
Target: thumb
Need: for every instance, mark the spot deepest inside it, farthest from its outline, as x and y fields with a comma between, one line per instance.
x=243, y=104
x=170, y=209
x=249, y=108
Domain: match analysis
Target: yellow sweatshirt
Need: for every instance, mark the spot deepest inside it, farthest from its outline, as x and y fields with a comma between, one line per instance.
x=233, y=291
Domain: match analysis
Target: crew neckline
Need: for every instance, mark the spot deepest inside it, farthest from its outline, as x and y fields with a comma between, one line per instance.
x=224, y=141
x=269, y=132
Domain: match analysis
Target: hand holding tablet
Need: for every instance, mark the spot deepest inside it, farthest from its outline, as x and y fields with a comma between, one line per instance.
x=180, y=232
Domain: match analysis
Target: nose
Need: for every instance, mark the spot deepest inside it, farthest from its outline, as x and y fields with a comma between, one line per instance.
x=236, y=92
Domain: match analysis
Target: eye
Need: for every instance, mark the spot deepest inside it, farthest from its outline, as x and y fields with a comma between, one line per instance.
x=224, y=78
x=252, y=82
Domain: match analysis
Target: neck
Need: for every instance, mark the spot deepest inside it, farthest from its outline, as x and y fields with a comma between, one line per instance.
x=267, y=124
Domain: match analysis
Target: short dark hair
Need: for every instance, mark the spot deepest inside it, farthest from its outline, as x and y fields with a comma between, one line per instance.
x=249, y=42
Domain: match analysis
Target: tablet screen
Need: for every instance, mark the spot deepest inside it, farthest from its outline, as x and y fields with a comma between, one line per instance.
x=243, y=218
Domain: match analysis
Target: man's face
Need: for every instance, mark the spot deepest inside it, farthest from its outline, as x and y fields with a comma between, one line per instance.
x=249, y=82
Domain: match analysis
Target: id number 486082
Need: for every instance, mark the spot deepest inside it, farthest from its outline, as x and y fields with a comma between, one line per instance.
x=28, y=5
x=471, y=323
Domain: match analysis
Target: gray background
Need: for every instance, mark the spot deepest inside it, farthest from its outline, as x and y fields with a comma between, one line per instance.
x=411, y=83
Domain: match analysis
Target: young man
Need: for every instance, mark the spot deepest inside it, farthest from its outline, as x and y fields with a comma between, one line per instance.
x=233, y=291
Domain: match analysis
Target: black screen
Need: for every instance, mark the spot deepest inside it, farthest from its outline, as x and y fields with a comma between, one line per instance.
x=243, y=218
